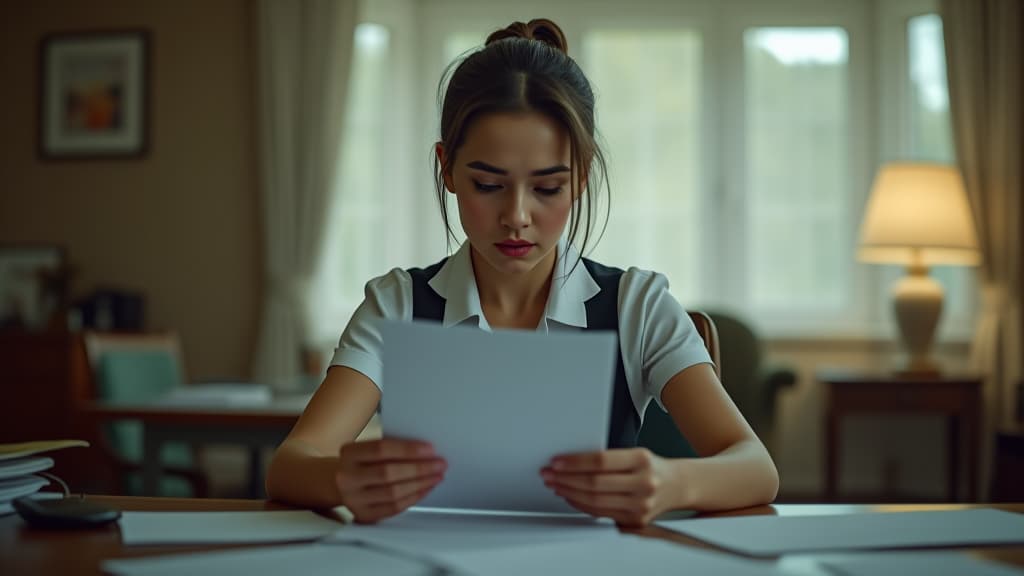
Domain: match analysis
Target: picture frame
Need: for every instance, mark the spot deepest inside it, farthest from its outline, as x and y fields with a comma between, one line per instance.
x=33, y=285
x=94, y=95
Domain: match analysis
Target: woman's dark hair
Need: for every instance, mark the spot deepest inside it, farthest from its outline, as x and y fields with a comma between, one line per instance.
x=526, y=68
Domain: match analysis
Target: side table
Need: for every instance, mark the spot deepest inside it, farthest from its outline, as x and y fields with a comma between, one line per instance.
x=956, y=397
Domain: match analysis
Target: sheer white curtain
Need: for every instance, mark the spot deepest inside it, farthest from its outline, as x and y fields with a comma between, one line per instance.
x=983, y=48
x=304, y=55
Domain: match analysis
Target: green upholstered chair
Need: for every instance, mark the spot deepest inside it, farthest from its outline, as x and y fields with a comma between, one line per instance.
x=136, y=368
x=752, y=385
x=750, y=380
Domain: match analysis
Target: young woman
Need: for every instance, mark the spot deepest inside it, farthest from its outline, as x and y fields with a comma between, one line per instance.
x=518, y=153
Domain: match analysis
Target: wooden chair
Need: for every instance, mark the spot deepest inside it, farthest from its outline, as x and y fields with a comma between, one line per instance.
x=709, y=333
x=659, y=433
x=138, y=368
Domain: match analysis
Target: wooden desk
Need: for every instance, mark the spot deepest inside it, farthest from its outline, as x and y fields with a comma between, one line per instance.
x=954, y=397
x=27, y=551
x=255, y=428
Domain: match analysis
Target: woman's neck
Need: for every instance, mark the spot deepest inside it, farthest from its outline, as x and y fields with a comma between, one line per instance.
x=513, y=300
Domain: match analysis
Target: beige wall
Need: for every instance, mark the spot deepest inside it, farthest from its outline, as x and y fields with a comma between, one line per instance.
x=181, y=224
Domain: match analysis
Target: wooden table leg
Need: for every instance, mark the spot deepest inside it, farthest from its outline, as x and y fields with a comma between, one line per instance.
x=972, y=432
x=832, y=456
x=152, y=445
x=953, y=458
x=256, y=472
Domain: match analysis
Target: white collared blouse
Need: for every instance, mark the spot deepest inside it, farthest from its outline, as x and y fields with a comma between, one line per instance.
x=657, y=339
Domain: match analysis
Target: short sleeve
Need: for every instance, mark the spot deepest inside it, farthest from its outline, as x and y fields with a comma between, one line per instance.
x=387, y=297
x=658, y=339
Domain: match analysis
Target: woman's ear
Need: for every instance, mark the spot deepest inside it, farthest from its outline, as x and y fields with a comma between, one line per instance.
x=445, y=174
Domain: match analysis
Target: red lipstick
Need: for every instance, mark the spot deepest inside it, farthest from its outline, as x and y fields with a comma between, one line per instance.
x=515, y=248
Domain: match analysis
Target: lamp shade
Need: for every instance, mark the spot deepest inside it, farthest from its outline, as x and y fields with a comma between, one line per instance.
x=918, y=208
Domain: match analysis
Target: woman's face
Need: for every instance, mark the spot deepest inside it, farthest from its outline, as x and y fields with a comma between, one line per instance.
x=512, y=180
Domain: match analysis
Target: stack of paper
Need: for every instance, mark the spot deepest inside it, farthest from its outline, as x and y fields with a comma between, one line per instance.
x=19, y=468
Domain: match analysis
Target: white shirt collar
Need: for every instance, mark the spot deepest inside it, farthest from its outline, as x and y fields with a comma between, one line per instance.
x=570, y=289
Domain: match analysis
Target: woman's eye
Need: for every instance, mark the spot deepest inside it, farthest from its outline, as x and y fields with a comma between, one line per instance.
x=549, y=191
x=486, y=187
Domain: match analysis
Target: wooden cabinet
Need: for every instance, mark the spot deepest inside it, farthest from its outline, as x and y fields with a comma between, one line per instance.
x=44, y=375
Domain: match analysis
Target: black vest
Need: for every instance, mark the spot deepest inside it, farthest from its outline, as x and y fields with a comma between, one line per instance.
x=602, y=314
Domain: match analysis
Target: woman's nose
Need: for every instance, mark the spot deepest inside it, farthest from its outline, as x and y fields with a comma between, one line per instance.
x=515, y=213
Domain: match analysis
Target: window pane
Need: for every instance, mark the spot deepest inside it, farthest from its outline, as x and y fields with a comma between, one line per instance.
x=648, y=111
x=931, y=135
x=796, y=104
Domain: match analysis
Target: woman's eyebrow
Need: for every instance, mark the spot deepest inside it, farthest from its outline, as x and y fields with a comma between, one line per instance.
x=478, y=165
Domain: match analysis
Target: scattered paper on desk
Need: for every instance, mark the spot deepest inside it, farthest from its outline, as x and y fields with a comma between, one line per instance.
x=612, y=555
x=497, y=406
x=8, y=451
x=771, y=535
x=223, y=527
x=304, y=559
x=434, y=534
x=930, y=563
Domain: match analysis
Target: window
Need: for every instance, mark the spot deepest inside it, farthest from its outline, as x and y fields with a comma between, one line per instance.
x=797, y=162
x=357, y=214
x=928, y=120
x=653, y=142
x=742, y=140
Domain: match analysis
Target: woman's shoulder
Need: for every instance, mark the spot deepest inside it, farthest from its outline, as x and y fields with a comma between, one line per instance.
x=639, y=287
x=633, y=281
x=393, y=287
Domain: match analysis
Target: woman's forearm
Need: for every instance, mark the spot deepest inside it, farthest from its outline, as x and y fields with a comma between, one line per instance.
x=738, y=477
x=300, y=475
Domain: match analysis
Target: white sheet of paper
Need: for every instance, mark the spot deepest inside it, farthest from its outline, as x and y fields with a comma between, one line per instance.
x=223, y=527
x=497, y=406
x=434, y=534
x=771, y=535
x=930, y=563
x=613, y=555
x=304, y=559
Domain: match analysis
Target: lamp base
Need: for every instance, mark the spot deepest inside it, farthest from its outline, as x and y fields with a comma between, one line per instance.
x=917, y=303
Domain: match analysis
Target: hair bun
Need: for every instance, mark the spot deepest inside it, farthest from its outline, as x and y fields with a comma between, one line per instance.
x=539, y=29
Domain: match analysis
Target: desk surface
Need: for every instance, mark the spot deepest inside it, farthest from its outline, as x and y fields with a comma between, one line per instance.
x=26, y=551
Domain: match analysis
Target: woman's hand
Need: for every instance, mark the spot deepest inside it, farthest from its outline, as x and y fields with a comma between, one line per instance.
x=631, y=486
x=381, y=478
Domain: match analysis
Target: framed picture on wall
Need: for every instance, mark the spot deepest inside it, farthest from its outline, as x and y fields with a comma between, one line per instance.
x=94, y=95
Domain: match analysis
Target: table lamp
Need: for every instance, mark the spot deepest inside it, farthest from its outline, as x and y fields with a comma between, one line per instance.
x=918, y=216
